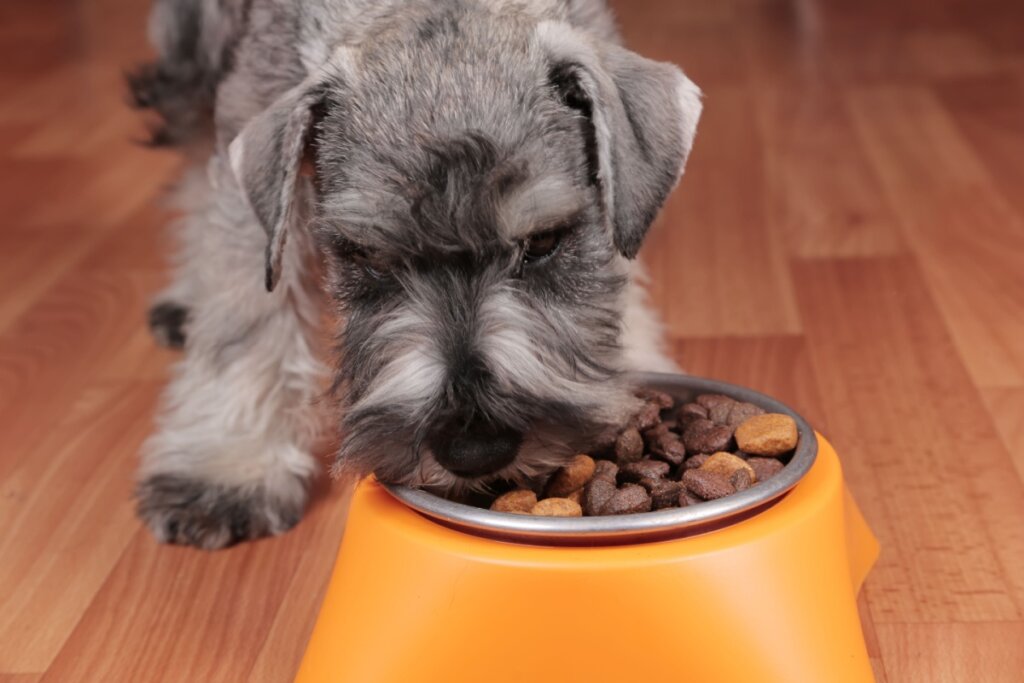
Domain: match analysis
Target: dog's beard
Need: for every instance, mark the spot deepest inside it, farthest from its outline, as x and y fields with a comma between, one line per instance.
x=545, y=367
x=391, y=441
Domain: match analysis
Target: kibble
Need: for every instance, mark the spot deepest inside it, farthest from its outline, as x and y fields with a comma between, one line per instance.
x=634, y=472
x=668, y=447
x=596, y=494
x=704, y=436
x=707, y=485
x=718, y=407
x=520, y=500
x=690, y=412
x=695, y=461
x=727, y=464
x=765, y=468
x=711, y=447
x=571, y=477
x=664, y=492
x=741, y=412
x=629, y=499
x=741, y=480
x=659, y=398
x=557, y=507
x=649, y=416
x=629, y=447
x=771, y=434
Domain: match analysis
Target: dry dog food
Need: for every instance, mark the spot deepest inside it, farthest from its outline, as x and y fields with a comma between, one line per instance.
x=666, y=457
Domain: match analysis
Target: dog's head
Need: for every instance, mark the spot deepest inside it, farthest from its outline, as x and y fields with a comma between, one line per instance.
x=481, y=183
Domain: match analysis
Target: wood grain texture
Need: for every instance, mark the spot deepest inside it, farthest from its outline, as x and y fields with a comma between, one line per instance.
x=849, y=237
x=953, y=653
x=969, y=239
x=920, y=449
x=1006, y=405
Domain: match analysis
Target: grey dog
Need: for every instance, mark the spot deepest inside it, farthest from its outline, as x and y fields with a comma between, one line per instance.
x=462, y=184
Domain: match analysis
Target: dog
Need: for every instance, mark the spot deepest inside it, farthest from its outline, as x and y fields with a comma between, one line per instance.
x=463, y=185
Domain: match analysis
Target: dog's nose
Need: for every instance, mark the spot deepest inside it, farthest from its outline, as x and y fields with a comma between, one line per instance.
x=476, y=449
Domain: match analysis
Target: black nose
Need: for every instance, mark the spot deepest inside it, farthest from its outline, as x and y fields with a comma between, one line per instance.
x=475, y=449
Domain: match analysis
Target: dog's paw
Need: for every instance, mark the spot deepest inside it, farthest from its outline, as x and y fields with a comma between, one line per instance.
x=188, y=511
x=167, y=323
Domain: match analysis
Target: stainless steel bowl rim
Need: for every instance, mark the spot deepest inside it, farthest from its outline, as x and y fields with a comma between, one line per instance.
x=577, y=530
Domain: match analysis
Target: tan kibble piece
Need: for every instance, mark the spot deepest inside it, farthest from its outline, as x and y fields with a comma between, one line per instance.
x=771, y=434
x=520, y=500
x=557, y=507
x=727, y=464
x=571, y=477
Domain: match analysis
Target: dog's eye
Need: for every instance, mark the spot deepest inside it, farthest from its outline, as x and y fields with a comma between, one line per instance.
x=359, y=257
x=539, y=247
x=369, y=266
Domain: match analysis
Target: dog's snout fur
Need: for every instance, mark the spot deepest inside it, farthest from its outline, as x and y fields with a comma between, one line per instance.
x=481, y=175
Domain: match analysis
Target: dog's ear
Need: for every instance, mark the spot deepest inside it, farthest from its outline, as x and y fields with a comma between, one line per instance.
x=641, y=117
x=267, y=154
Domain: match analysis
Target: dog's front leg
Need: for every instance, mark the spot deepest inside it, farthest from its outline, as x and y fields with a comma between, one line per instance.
x=231, y=457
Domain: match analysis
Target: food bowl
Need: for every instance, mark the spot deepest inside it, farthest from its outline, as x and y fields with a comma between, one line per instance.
x=758, y=586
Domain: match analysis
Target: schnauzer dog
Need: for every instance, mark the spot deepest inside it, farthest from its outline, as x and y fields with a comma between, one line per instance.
x=463, y=185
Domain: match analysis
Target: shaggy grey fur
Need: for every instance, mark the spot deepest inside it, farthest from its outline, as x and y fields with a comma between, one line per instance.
x=479, y=175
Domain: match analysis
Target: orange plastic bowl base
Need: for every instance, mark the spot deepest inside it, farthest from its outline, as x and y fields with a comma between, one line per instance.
x=770, y=599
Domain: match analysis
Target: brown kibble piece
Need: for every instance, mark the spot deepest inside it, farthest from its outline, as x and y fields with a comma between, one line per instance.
x=643, y=469
x=629, y=499
x=576, y=496
x=648, y=416
x=669, y=447
x=765, y=468
x=690, y=412
x=664, y=493
x=686, y=499
x=520, y=500
x=695, y=461
x=629, y=447
x=717, y=405
x=597, y=492
x=704, y=436
x=727, y=464
x=605, y=469
x=741, y=480
x=557, y=507
x=707, y=485
x=742, y=412
x=654, y=432
x=771, y=434
x=571, y=477
x=660, y=398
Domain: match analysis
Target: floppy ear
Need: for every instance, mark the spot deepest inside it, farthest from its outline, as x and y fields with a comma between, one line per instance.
x=642, y=118
x=266, y=155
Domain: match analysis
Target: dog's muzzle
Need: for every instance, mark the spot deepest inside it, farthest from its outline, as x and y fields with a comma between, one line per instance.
x=476, y=449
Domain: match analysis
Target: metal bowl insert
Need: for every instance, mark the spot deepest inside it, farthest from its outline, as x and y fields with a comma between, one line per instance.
x=640, y=527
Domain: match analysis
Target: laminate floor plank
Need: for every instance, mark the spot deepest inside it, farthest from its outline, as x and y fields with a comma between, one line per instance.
x=968, y=240
x=918, y=447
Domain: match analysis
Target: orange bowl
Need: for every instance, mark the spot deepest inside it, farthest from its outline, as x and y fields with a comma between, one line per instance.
x=766, y=594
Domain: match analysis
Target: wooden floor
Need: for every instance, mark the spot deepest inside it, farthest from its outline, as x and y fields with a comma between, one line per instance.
x=849, y=237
